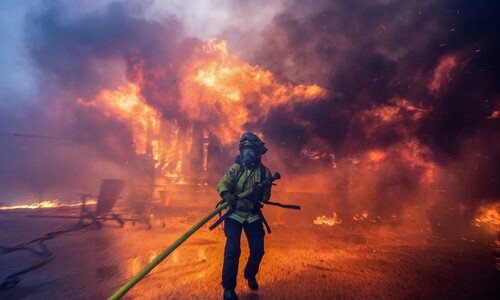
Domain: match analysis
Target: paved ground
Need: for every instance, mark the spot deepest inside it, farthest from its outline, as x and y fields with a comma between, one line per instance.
x=353, y=260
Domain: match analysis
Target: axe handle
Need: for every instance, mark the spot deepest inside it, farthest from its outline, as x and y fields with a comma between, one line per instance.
x=290, y=206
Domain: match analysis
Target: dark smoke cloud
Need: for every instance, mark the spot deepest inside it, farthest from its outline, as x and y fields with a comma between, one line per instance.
x=76, y=53
x=368, y=54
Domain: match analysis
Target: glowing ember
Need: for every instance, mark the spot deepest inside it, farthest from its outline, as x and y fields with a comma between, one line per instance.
x=334, y=220
x=488, y=214
x=362, y=217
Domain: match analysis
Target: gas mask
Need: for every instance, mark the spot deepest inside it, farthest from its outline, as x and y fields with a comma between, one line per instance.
x=249, y=157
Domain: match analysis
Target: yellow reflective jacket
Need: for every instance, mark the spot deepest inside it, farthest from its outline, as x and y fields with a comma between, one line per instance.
x=247, y=180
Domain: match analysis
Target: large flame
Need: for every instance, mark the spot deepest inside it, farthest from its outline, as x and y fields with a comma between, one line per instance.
x=218, y=90
x=223, y=93
x=127, y=104
x=219, y=85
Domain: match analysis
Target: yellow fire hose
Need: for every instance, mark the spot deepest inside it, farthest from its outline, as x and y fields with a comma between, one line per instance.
x=130, y=284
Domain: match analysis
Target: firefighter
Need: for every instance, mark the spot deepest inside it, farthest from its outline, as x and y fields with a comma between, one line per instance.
x=244, y=213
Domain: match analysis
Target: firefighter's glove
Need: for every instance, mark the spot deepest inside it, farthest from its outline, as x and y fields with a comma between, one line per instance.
x=230, y=199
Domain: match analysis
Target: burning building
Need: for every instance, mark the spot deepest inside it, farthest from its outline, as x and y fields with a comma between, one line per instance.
x=383, y=113
x=354, y=112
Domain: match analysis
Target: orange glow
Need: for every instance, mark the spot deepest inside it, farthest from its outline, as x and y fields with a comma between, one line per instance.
x=418, y=157
x=152, y=255
x=404, y=118
x=334, y=220
x=362, y=217
x=494, y=115
x=376, y=155
x=488, y=215
x=416, y=112
x=387, y=113
x=217, y=90
x=442, y=73
x=128, y=105
x=392, y=112
x=219, y=85
x=140, y=261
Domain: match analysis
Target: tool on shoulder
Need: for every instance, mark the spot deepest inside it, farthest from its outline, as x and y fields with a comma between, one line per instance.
x=269, y=182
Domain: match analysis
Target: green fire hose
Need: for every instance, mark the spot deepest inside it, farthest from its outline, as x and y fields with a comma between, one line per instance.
x=126, y=287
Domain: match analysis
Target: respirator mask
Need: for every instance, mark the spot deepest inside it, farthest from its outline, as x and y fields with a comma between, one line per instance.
x=251, y=149
x=249, y=156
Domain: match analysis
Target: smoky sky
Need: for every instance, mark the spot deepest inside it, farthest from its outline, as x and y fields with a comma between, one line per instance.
x=367, y=53
x=364, y=53
x=72, y=51
x=75, y=57
x=81, y=56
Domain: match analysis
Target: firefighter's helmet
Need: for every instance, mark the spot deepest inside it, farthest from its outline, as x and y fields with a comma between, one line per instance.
x=252, y=140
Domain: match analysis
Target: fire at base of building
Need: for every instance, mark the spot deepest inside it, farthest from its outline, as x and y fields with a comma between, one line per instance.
x=175, y=159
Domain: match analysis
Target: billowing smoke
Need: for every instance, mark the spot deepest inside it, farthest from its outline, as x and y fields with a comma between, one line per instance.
x=413, y=115
x=77, y=56
x=384, y=104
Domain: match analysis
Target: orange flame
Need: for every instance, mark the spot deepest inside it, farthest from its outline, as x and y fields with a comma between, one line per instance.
x=219, y=84
x=334, y=220
x=488, y=214
x=217, y=89
x=45, y=204
x=128, y=105
x=362, y=217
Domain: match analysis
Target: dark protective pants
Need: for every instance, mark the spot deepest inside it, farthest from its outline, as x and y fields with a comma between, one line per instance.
x=255, y=236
